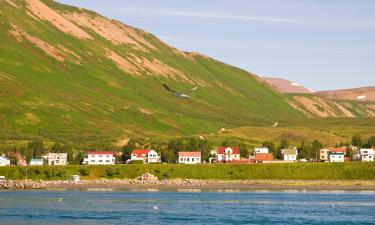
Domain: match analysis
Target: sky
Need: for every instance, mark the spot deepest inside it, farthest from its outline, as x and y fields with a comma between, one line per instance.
x=318, y=43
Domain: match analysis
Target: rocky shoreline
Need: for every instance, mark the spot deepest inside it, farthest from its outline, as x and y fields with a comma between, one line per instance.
x=148, y=180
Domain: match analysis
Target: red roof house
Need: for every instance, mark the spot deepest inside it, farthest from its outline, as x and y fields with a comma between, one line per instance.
x=146, y=155
x=261, y=157
x=228, y=154
x=189, y=157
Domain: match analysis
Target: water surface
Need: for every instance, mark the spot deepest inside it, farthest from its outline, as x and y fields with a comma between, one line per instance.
x=184, y=207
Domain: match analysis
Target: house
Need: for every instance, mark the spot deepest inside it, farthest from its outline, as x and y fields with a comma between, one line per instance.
x=146, y=155
x=263, y=157
x=228, y=154
x=36, y=162
x=336, y=157
x=57, y=159
x=189, y=157
x=367, y=155
x=260, y=150
x=289, y=155
x=4, y=161
x=323, y=154
x=99, y=158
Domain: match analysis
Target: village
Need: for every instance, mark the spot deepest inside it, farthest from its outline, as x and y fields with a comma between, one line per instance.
x=222, y=154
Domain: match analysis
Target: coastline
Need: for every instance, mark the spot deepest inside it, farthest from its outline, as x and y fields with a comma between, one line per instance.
x=186, y=184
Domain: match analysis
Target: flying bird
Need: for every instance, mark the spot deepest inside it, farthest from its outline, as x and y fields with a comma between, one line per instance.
x=180, y=94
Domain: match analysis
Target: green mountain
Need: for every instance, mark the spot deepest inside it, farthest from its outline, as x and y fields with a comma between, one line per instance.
x=71, y=74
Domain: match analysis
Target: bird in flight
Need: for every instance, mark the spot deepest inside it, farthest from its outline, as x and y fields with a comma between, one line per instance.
x=180, y=94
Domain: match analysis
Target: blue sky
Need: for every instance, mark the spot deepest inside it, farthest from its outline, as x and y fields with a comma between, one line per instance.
x=323, y=44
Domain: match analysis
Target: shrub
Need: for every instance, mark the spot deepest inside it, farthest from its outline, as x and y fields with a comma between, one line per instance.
x=136, y=162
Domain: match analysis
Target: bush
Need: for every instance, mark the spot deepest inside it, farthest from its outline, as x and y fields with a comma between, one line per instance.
x=83, y=171
x=136, y=162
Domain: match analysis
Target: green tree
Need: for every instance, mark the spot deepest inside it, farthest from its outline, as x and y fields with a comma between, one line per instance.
x=168, y=156
x=127, y=149
x=315, y=148
x=270, y=145
x=37, y=148
x=357, y=141
x=303, y=151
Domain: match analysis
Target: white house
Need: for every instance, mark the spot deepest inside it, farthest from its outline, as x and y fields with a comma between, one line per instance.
x=260, y=150
x=228, y=154
x=289, y=155
x=36, y=162
x=146, y=155
x=367, y=155
x=4, y=161
x=336, y=157
x=57, y=159
x=99, y=158
x=189, y=157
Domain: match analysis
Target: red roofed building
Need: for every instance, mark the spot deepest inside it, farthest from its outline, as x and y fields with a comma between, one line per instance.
x=146, y=155
x=228, y=154
x=263, y=157
x=189, y=157
x=99, y=158
x=338, y=150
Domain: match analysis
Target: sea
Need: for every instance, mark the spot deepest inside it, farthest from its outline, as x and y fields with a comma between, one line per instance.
x=152, y=206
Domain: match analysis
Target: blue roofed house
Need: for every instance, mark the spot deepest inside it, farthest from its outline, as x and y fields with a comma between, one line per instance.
x=36, y=162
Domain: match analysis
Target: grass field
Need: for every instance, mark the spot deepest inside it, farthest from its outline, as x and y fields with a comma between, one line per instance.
x=296, y=171
x=95, y=101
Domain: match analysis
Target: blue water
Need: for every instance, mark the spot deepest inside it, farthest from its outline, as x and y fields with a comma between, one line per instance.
x=182, y=207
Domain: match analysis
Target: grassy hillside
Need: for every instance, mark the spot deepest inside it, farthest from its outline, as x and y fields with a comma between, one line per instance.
x=71, y=75
x=58, y=85
x=294, y=171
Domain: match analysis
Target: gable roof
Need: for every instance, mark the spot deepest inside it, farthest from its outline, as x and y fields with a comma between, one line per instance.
x=263, y=157
x=3, y=157
x=53, y=155
x=189, y=154
x=140, y=152
x=343, y=150
x=36, y=160
x=221, y=150
x=99, y=153
x=290, y=151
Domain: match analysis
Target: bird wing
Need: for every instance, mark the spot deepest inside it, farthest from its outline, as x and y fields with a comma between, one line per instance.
x=190, y=90
x=166, y=87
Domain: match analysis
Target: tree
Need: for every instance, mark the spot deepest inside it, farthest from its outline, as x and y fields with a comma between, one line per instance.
x=78, y=159
x=315, y=148
x=303, y=151
x=127, y=149
x=357, y=141
x=37, y=148
x=284, y=144
x=270, y=145
x=168, y=156
x=370, y=142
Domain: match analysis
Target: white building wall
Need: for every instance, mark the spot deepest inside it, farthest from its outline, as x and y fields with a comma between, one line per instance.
x=336, y=158
x=99, y=159
x=189, y=160
x=4, y=161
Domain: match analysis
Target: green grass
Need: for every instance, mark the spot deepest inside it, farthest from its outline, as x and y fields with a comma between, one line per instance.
x=296, y=171
x=43, y=98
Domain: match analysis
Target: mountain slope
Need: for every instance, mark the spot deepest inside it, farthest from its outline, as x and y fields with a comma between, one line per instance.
x=286, y=86
x=360, y=94
x=69, y=73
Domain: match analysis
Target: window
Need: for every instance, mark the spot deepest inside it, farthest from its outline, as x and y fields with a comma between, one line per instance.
x=92, y=161
x=100, y=160
x=108, y=161
x=192, y=159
